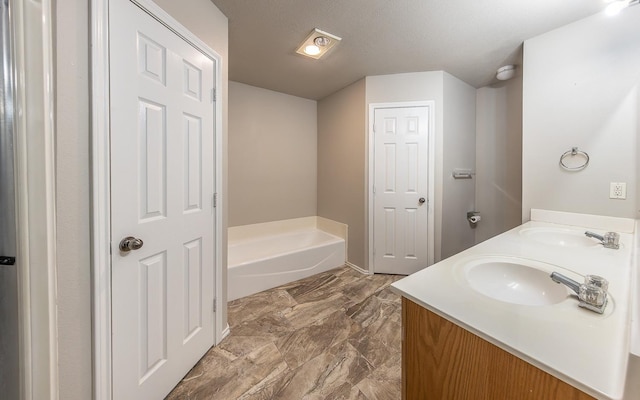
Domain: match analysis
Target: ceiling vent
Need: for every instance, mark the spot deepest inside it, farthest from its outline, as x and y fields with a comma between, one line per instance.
x=317, y=44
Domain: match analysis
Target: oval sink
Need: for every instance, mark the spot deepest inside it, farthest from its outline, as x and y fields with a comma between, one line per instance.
x=559, y=237
x=515, y=283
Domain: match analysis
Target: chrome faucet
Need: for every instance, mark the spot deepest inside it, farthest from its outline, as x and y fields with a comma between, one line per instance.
x=568, y=282
x=591, y=296
x=610, y=240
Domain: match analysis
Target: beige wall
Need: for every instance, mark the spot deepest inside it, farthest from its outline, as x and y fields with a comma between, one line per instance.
x=272, y=155
x=499, y=157
x=341, y=164
x=581, y=87
x=72, y=173
x=72, y=197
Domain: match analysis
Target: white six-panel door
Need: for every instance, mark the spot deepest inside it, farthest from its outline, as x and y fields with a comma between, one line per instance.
x=400, y=198
x=162, y=185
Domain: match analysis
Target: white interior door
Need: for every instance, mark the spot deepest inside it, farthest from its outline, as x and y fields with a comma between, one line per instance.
x=162, y=186
x=400, y=198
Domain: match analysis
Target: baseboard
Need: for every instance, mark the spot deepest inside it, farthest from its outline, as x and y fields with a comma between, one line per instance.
x=225, y=332
x=361, y=270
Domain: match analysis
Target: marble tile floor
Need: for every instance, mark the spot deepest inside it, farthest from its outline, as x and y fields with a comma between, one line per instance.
x=335, y=335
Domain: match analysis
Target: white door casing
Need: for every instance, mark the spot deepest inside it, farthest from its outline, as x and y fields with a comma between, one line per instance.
x=162, y=191
x=35, y=167
x=402, y=234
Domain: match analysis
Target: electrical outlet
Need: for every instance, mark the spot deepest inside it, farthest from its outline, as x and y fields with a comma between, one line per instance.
x=618, y=190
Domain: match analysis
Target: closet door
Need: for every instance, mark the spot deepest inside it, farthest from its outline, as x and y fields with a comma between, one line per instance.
x=400, y=189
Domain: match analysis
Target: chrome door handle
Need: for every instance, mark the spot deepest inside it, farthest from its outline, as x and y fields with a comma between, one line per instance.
x=130, y=243
x=421, y=200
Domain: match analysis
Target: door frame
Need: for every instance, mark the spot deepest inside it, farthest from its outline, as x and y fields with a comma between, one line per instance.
x=35, y=197
x=431, y=165
x=100, y=190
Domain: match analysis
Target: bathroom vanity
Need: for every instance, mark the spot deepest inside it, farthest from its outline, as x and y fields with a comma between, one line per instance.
x=490, y=323
x=444, y=361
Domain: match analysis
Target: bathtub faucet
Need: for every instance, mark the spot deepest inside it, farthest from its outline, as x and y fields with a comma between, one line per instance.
x=610, y=240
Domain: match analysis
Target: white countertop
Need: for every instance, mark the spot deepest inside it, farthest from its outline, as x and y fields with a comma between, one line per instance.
x=585, y=349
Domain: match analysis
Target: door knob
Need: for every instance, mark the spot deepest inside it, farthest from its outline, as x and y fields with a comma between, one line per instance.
x=421, y=200
x=130, y=243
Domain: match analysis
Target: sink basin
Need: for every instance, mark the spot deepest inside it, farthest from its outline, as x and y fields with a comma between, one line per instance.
x=559, y=237
x=512, y=281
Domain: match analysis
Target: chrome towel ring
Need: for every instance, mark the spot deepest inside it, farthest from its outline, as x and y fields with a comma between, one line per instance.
x=574, y=152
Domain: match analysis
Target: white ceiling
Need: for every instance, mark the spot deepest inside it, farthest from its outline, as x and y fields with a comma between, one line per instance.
x=468, y=39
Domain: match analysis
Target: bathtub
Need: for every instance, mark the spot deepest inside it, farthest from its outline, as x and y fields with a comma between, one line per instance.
x=263, y=256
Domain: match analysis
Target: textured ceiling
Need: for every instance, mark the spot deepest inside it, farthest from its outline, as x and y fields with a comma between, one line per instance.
x=468, y=39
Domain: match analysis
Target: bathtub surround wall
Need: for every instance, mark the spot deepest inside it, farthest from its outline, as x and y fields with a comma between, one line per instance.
x=499, y=157
x=273, y=140
x=341, y=165
x=581, y=88
x=72, y=55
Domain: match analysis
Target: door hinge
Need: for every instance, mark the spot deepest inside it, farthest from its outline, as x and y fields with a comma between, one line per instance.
x=374, y=189
x=214, y=200
x=215, y=305
x=7, y=260
x=213, y=95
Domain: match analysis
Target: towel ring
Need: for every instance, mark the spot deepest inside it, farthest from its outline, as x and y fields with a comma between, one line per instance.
x=574, y=152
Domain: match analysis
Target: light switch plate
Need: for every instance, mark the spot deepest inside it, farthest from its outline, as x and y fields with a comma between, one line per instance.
x=618, y=190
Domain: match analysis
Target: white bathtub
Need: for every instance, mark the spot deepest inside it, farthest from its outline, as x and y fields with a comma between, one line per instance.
x=263, y=261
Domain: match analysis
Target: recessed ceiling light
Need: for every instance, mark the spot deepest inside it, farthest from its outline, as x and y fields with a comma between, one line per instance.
x=312, y=50
x=317, y=44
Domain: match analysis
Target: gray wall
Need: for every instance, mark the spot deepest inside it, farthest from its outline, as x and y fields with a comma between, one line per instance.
x=342, y=155
x=581, y=88
x=341, y=165
x=72, y=73
x=459, y=151
x=272, y=155
x=499, y=157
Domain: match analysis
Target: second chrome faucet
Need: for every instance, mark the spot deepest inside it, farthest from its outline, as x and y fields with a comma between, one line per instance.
x=610, y=240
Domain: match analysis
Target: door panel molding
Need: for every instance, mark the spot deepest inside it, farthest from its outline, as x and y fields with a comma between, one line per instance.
x=430, y=105
x=100, y=190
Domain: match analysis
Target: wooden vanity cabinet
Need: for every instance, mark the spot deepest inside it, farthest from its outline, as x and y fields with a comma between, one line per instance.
x=441, y=360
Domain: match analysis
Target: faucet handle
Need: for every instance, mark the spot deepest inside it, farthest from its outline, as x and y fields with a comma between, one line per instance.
x=611, y=240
